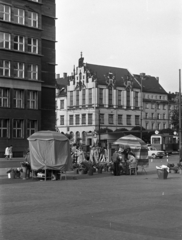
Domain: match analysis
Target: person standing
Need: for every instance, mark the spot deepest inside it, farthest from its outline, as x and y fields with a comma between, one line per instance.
x=115, y=158
x=10, y=152
x=6, y=152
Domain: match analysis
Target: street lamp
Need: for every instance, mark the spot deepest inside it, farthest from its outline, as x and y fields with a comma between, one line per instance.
x=142, y=76
x=180, y=140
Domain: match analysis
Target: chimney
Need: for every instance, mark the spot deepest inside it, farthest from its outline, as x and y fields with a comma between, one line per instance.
x=57, y=76
x=64, y=75
x=157, y=78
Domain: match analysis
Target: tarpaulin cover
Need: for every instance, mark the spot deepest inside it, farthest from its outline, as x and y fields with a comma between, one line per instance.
x=49, y=150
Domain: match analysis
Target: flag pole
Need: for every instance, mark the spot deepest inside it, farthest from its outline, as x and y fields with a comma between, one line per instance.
x=180, y=149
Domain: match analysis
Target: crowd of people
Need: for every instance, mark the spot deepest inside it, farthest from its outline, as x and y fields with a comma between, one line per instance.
x=123, y=160
x=120, y=162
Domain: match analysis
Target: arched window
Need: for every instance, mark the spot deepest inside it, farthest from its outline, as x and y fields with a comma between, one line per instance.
x=84, y=137
x=77, y=135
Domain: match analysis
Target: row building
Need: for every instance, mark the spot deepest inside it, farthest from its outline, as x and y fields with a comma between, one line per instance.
x=27, y=71
x=96, y=102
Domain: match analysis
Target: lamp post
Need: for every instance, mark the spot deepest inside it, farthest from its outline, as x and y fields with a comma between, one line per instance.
x=142, y=75
x=180, y=148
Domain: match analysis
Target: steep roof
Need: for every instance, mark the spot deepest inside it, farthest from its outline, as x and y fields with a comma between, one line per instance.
x=151, y=84
x=119, y=73
x=61, y=84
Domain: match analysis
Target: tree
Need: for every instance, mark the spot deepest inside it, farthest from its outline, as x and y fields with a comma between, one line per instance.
x=175, y=119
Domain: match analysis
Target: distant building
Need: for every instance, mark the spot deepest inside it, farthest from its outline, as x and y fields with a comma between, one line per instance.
x=155, y=114
x=27, y=71
x=98, y=99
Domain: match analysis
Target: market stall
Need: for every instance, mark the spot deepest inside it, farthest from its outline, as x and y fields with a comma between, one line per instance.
x=138, y=147
x=49, y=150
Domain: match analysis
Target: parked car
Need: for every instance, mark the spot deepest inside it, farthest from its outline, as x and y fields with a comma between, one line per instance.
x=153, y=152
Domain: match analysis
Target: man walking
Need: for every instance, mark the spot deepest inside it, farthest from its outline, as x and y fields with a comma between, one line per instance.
x=10, y=152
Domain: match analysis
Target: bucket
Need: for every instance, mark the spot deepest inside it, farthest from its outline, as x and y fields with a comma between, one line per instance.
x=11, y=175
x=99, y=170
x=90, y=171
x=162, y=173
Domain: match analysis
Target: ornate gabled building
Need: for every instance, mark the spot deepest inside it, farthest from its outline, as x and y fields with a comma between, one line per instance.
x=98, y=99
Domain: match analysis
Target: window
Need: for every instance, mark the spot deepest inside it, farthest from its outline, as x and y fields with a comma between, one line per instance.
x=19, y=16
x=19, y=43
x=83, y=96
x=147, y=125
x=77, y=116
x=159, y=126
x=152, y=115
x=164, y=116
x=164, y=126
x=137, y=120
x=32, y=72
x=71, y=98
x=136, y=99
x=147, y=105
x=111, y=120
x=128, y=99
x=101, y=96
x=71, y=119
x=77, y=98
x=18, y=98
x=4, y=97
x=110, y=97
x=32, y=127
x=83, y=118
x=158, y=115
x=32, y=45
x=32, y=19
x=153, y=105
x=90, y=118
x=5, y=68
x=153, y=126
x=18, y=126
x=164, y=106
x=146, y=115
x=61, y=104
x=120, y=119
x=32, y=100
x=62, y=120
x=19, y=70
x=4, y=128
x=158, y=106
x=5, y=13
x=101, y=118
x=128, y=119
x=119, y=97
x=90, y=96
x=5, y=40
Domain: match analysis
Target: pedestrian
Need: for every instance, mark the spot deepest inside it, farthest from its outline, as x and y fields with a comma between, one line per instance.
x=11, y=152
x=6, y=152
x=115, y=158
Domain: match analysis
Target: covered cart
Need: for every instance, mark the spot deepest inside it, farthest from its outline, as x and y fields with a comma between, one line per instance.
x=49, y=150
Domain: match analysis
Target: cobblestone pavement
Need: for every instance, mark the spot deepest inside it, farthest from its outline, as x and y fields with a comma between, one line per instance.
x=100, y=207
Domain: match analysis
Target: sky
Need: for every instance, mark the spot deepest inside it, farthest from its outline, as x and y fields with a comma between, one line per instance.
x=144, y=36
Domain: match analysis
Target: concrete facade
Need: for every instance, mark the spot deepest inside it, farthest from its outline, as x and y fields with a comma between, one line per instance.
x=27, y=71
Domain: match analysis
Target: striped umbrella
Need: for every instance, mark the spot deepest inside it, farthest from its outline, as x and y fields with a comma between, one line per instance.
x=137, y=145
x=129, y=141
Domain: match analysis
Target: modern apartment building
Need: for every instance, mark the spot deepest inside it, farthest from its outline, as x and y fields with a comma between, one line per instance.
x=27, y=71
